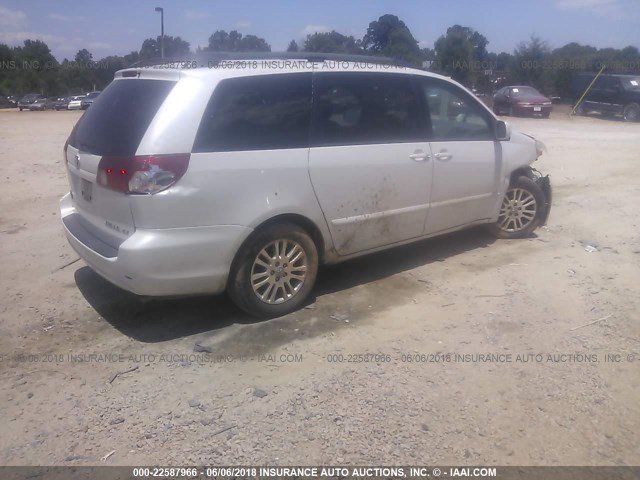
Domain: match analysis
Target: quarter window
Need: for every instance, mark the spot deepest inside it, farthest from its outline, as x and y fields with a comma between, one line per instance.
x=365, y=108
x=264, y=112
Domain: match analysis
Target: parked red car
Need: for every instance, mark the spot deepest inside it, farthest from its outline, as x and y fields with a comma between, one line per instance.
x=521, y=101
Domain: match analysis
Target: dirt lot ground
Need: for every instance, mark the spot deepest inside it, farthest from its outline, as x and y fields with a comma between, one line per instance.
x=285, y=391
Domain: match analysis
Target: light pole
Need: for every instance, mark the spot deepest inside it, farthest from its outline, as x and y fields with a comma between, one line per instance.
x=161, y=10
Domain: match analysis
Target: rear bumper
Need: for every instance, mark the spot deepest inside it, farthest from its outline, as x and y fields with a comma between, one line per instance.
x=520, y=110
x=176, y=261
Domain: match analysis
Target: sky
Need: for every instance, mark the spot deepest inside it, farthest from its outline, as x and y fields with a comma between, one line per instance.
x=116, y=27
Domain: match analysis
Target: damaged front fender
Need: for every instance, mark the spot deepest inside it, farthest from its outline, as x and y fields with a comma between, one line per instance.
x=545, y=185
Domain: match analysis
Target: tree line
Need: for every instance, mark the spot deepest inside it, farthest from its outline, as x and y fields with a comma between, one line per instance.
x=461, y=53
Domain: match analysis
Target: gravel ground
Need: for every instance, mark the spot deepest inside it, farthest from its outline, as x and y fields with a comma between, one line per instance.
x=195, y=381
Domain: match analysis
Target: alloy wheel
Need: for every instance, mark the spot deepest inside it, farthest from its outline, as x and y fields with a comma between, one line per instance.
x=518, y=210
x=279, y=271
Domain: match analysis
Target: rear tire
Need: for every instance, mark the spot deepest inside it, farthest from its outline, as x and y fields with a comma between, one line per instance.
x=632, y=113
x=521, y=211
x=274, y=271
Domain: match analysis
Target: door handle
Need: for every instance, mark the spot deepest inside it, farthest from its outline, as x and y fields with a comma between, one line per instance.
x=443, y=155
x=420, y=157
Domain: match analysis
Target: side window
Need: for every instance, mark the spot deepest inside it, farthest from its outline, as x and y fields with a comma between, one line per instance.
x=365, y=108
x=454, y=115
x=606, y=83
x=263, y=112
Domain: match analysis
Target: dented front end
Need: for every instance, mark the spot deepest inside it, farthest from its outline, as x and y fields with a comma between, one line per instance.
x=545, y=185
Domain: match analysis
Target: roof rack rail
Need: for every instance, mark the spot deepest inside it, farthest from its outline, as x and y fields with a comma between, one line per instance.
x=206, y=59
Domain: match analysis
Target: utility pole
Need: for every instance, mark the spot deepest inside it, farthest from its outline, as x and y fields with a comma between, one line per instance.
x=161, y=10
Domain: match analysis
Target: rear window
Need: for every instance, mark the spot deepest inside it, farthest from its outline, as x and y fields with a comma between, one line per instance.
x=119, y=117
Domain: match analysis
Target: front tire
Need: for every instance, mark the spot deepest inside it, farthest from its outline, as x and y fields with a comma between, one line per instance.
x=521, y=211
x=274, y=272
x=632, y=113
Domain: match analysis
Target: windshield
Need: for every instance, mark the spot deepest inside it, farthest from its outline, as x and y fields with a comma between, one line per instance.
x=525, y=92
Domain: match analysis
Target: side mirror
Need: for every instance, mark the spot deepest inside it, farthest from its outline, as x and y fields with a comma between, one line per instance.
x=503, y=131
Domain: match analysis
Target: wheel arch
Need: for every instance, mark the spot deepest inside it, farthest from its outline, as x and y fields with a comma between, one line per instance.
x=631, y=104
x=524, y=171
x=296, y=219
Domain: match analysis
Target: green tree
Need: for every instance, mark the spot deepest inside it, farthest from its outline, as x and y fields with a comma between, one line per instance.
x=174, y=47
x=35, y=67
x=454, y=53
x=131, y=58
x=390, y=36
x=7, y=69
x=233, y=41
x=568, y=60
x=331, y=42
x=293, y=46
x=462, y=54
x=106, y=69
x=531, y=66
x=84, y=57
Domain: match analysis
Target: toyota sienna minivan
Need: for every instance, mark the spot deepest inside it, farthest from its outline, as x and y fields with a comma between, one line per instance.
x=246, y=175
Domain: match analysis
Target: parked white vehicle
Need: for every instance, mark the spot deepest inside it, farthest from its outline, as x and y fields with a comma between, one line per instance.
x=75, y=103
x=194, y=181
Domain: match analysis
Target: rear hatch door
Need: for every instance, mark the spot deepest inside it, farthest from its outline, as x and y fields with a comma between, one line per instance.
x=113, y=126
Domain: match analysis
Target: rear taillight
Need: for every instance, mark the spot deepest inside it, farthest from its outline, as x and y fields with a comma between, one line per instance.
x=142, y=174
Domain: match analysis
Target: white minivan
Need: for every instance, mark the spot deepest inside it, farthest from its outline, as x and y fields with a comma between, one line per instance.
x=246, y=175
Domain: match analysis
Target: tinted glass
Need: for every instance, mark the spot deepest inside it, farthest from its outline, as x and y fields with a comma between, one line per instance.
x=366, y=108
x=119, y=117
x=608, y=82
x=525, y=92
x=263, y=112
x=454, y=114
x=631, y=83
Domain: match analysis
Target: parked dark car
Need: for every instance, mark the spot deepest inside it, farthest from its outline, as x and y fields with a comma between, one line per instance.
x=61, y=103
x=28, y=99
x=39, y=104
x=9, y=102
x=611, y=94
x=5, y=102
x=87, y=101
x=521, y=100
